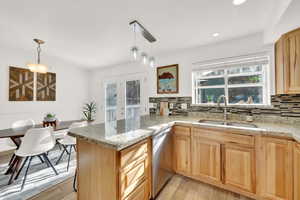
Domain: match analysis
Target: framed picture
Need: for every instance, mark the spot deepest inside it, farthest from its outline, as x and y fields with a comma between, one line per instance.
x=46, y=87
x=20, y=84
x=167, y=79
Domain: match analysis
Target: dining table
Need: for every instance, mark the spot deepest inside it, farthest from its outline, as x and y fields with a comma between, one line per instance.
x=15, y=134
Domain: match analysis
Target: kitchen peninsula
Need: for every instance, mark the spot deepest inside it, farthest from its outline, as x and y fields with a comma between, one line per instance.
x=114, y=158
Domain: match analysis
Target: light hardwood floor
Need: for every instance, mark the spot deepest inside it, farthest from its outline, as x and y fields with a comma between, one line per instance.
x=179, y=188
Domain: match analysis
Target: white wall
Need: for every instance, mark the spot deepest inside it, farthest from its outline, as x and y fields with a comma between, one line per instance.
x=71, y=89
x=288, y=21
x=185, y=58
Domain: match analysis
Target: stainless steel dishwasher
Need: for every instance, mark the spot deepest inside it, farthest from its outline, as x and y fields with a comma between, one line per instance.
x=162, y=160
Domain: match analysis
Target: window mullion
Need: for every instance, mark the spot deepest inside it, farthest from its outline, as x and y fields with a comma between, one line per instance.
x=226, y=85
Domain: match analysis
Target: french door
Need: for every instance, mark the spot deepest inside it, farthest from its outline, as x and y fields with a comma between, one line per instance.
x=122, y=99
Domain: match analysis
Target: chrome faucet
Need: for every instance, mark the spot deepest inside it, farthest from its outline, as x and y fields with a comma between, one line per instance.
x=225, y=107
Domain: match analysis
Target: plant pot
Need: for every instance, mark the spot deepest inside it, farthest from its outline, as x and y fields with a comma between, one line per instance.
x=49, y=119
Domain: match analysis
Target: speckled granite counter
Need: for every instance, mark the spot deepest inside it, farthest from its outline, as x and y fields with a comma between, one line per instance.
x=123, y=133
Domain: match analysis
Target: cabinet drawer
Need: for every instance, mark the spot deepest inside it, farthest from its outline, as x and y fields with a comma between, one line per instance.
x=182, y=131
x=223, y=137
x=132, y=178
x=140, y=193
x=133, y=153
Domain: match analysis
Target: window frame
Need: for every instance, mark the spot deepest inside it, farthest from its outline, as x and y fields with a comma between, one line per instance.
x=264, y=84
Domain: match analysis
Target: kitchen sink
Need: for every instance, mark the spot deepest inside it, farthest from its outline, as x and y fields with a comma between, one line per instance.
x=224, y=123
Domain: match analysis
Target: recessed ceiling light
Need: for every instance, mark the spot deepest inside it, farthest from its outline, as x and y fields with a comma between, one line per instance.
x=216, y=34
x=238, y=2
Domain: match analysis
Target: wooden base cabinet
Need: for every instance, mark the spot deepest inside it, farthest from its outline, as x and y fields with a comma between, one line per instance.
x=239, y=167
x=182, y=150
x=297, y=171
x=206, y=159
x=107, y=174
x=276, y=169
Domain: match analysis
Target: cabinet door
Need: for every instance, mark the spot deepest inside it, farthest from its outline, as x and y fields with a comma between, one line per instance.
x=239, y=167
x=140, y=193
x=182, y=154
x=292, y=61
x=279, y=67
x=276, y=169
x=297, y=171
x=206, y=159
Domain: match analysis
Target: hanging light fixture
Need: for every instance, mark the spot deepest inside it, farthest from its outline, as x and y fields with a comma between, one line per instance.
x=38, y=67
x=144, y=58
x=147, y=36
x=151, y=61
x=134, y=49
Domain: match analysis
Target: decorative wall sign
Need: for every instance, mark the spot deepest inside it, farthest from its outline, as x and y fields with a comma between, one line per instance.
x=20, y=84
x=46, y=87
x=167, y=79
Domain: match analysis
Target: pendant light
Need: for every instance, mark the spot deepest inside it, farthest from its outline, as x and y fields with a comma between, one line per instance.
x=38, y=67
x=134, y=49
x=144, y=58
x=151, y=61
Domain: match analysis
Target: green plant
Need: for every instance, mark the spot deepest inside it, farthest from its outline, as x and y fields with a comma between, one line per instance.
x=209, y=98
x=89, y=110
x=50, y=115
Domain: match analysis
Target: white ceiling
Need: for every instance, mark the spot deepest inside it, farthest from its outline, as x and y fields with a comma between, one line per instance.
x=95, y=33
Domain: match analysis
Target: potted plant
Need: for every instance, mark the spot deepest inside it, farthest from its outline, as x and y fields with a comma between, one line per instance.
x=50, y=117
x=89, y=111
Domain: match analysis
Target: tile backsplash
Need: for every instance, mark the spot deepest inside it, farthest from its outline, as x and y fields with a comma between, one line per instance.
x=284, y=108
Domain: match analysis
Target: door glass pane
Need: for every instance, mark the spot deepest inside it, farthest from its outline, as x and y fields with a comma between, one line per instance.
x=111, y=102
x=246, y=95
x=132, y=99
x=211, y=95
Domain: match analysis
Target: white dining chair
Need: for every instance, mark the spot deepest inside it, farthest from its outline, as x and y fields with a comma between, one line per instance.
x=6, y=144
x=69, y=142
x=36, y=142
x=22, y=123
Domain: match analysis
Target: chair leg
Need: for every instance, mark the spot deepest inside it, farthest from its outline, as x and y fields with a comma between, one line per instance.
x=74, y=181
x=49, y=162
x=60, y=157
x=25, y=176
x=24, y=163
x=69, y=157
x=65, y=148
x=74, y=147
x=11, y=160
x=42, y=161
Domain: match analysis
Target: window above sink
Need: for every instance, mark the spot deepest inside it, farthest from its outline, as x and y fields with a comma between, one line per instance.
x=244, y=82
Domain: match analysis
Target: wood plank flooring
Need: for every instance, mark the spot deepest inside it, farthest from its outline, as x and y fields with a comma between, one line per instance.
x=179, y=188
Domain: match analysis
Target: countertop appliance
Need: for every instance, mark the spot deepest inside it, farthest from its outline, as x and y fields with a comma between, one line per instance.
x=162, y=160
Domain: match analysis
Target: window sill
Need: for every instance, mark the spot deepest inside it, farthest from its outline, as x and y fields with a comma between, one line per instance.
x=234, y=106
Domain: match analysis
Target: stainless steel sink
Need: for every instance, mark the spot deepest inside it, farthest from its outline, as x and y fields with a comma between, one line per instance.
x=224, y=123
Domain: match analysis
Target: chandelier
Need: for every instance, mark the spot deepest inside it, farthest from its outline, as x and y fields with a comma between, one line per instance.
x=38, y=67
x=135, y=50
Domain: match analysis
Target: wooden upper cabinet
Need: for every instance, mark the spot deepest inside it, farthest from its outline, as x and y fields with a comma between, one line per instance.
x=206, y=159
x=287, y=60
x=279, y=67
x=297, y=171
x=276, y=165
x=292, y=61
x=239, y=167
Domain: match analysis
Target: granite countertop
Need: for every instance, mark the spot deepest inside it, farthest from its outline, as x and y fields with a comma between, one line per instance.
x=124, y=133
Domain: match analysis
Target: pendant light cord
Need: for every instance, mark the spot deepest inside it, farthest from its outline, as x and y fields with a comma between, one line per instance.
x=39, y=50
